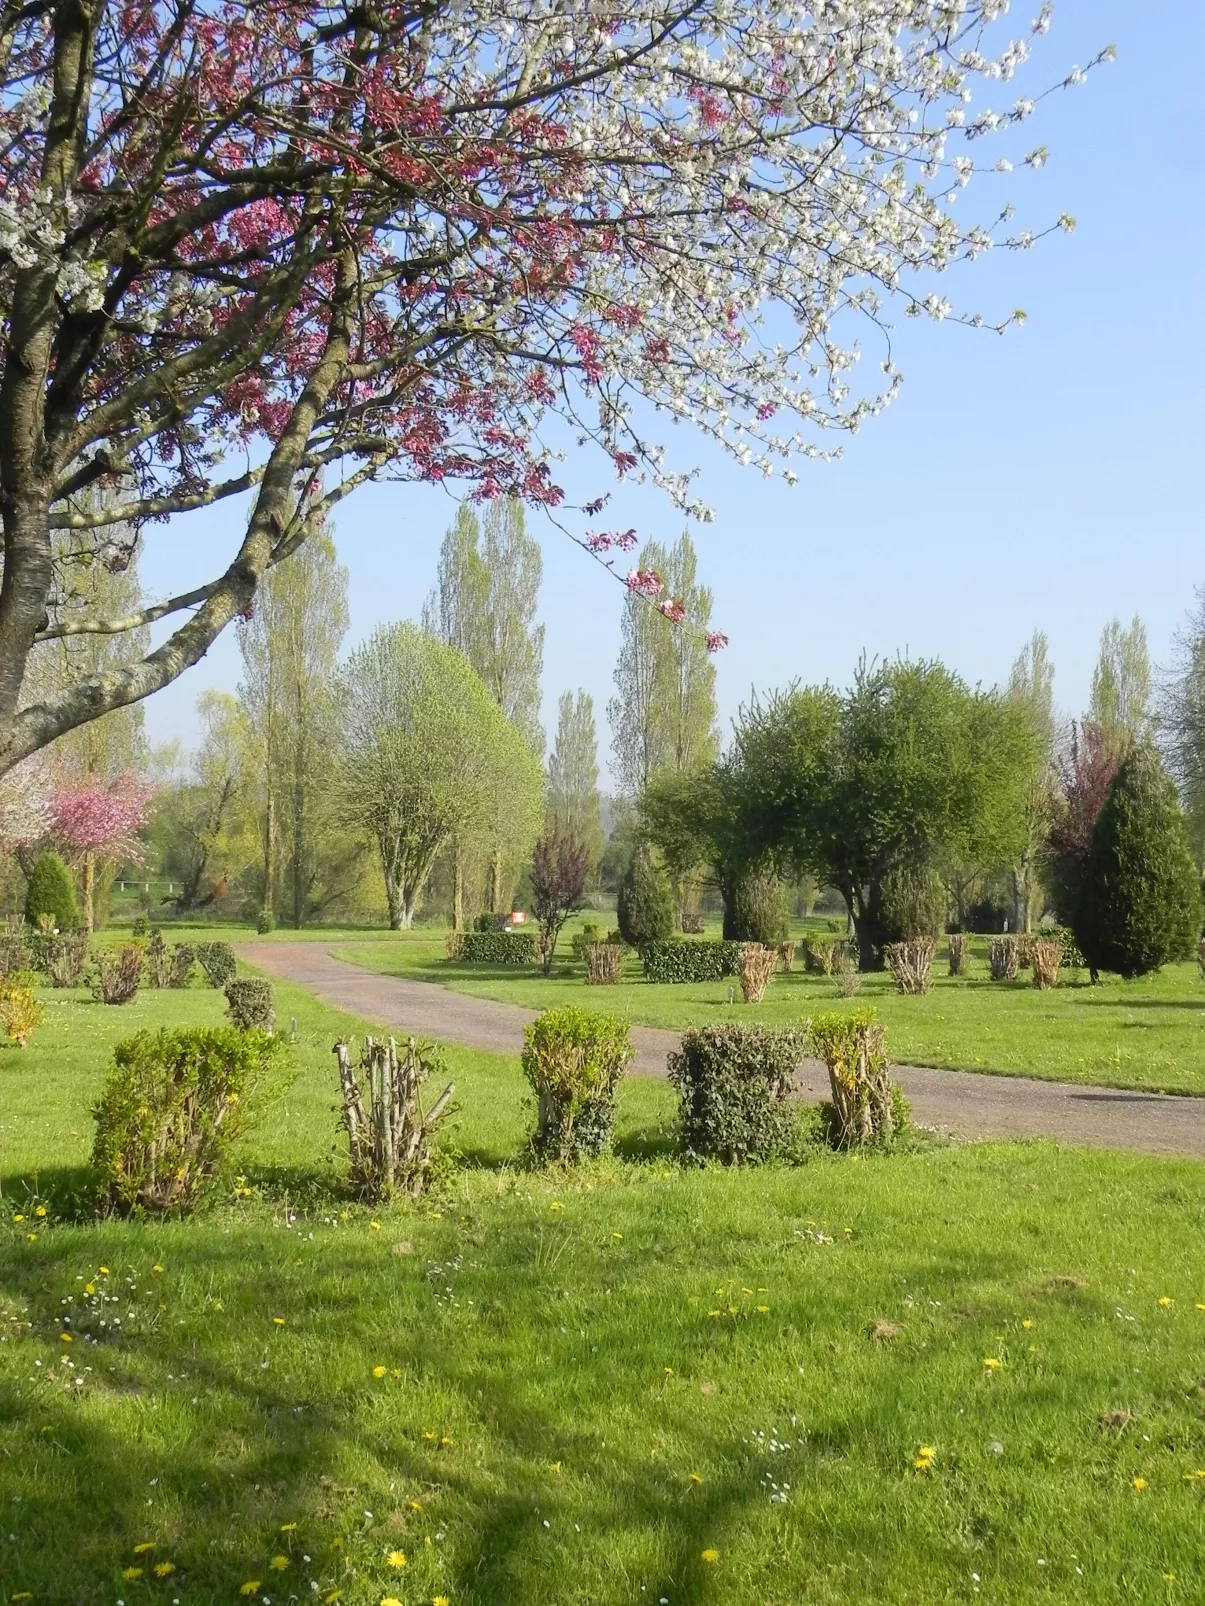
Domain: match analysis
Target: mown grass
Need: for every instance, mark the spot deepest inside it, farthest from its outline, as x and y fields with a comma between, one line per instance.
x=1143, y=1034
x=571, y=1389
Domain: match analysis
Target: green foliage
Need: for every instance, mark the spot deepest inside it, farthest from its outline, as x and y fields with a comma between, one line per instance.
x=184, y=958
x=854, y=1049
x=680, y=959
x=591, y=932
x=759, y=910
x=62, y=957
x=266, y=923
x=51, y=893
x=1140, y=900
x=218, y=962
x=909, y=901
x=249, y=1004
x=574, y=1061
x=645, y=908
x=734, y=1084
x=498, y=948
x=172, y=1106
x=158, y=968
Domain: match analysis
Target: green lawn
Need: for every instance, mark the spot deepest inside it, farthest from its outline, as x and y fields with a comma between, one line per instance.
x=1148, y=1033
x=631, y=1384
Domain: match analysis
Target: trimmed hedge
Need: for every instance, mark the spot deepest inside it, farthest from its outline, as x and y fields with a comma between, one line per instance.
x=497, y=948
x=734, y=1085
x=574, y=1061
x=250, y=1006
x=218, y=962
x=675, y=960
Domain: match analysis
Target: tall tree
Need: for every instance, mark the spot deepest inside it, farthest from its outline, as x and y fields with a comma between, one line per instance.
x=427, y=756
x=201, y=825
x=573, y=796
x=384, y=240
x=1031, y=688
x=484, y=604
x=1182, y=722
x=1121, y=687
x=663, y=715
x=290, y=646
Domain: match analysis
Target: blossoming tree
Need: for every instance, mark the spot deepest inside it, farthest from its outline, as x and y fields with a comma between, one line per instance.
x=284, y=249
x=92, y=818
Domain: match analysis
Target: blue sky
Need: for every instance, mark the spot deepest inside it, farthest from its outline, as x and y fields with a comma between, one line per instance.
x=1049, y=478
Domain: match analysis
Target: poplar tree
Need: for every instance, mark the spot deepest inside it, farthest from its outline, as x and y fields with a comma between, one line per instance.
x=1031, y=688
x=1121, y=687
x=573, y=797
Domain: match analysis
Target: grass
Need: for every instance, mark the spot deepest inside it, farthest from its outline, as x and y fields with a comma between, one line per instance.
x=1143, y=1034
x=631, y=1383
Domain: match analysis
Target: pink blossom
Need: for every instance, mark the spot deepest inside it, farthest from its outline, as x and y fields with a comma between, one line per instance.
x=673, y=610
x=95, y=818
x=715, y=640
x=645, y=583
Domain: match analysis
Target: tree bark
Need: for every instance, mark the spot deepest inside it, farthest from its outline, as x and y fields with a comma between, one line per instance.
x=457, y=890
x=89, y=889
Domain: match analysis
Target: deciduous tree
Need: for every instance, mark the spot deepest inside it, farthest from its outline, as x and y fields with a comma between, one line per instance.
x=559, y=866
x=573, y=797
x=284, y=250
x=1121, y=687
x=1182, y=722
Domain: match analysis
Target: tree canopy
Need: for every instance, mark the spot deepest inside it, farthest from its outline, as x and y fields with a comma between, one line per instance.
x=284, y=250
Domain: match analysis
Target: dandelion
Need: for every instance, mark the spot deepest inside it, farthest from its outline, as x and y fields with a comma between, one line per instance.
x=278, y=1321
x=390, y=1600
x=378, y=1371
x=1138, y=1483
x=132, y=1572
x=763, y=1310
x=1165, y=1301
x=1169, y=1578
x=15, y=1220
x=440, y=1600
x=164, y=1568
x=1200, y=1306
x=40, y=1211
x=251, y=1587
x=556, y=1205
x=669, y=1371
x=141, y=1550
x=104, y=1271
x=374, y=1226
x=1027, y=1324
x=288, y=1527
x=695, y=1478
x=990, y=1363
x=278, y=1563
x=64, y=1338
x=396, y=1558
x=416, y=1505
x=157, y=1268
x=445, y=1441
x=618, y=1235
x=711, y=1556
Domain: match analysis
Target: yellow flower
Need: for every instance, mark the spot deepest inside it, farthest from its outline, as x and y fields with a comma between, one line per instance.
x=1200, y=1306
x=378, y=1371
x=390, y=1600
x=288, y=1527
x=763, y=1310
x=695, y=1478
x=89, y=1288
x=278, y=1321
x=65, y=1338
x=156, y=1268
x=1169, y=1578
x=1138, y=1483
x=22, y=1594
x=40, y=1211
x=556, y=1205
x=713, y=1313
x=990, y=1363
x=1165, y=1300
x=396, y=1558
x=141, y=1550
x=16, y=1219
x=1027, y=1324
x=278, y=1563
x=554, y=1466
x=445, y=1441
x=104, y=1271
x=163, y=1568
x=710, y=1555
x=374, y=1226
x=250, y=1587
x=132, y=1572
x=416, y=1505
x=440, y=1600
x=618, y=1235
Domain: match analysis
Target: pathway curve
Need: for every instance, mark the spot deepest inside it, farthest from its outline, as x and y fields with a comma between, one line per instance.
x=964, y=1103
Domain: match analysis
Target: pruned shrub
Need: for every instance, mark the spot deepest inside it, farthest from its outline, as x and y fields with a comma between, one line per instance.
x=266, y=924
x=183, y=965
x=734, y=1083
x=1046, y=958
x=63, y=958
x=645, y=907
x=843, y=966
x=679, y=960
x=690, y=923
x=1201, y=957
x=910, y=963
x=1024, y=952
x=818, y=954
x=756, y=970
x=50, y=895
x=158, y=965
x=591, y=932
x=497, y=948
x=604, y=963
x=390, y=1141
x=172, y=1106
x=960, y=952
x=117, y=973
x=1072, y=958
x=16, y=955
x=786, y=954
x=217, y=960
x=574, y=1061
x=20, y=1011
x=454, y=945
x=853, y=1047
x=249, y=1004
x=1002, y=958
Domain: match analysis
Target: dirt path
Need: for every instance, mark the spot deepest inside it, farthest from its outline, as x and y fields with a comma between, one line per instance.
x=962, y=1103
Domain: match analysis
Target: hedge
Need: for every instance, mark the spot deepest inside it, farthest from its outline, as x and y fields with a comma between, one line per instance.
x=497, y=948
x=734, y=1085
x=674, y=960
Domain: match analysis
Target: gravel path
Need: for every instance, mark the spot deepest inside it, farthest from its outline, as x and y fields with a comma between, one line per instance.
x=962, y=1103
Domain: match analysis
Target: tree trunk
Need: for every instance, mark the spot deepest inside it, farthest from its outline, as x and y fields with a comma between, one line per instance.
x=457, y=890
x=269, y=850
x=496, y=882
x=89, y=888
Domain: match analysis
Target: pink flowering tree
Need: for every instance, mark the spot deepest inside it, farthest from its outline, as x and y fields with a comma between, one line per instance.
x=285, y=249
x=92, y=820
